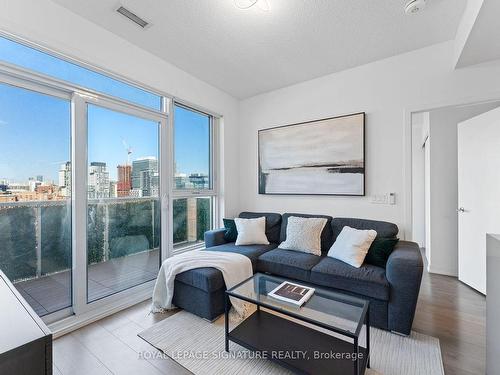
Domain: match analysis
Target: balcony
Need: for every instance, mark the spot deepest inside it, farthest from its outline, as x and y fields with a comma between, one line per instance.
x=35, y=252
x=123, y=245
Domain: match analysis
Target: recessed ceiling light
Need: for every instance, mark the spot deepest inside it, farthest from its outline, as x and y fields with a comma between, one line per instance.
x=247, y=4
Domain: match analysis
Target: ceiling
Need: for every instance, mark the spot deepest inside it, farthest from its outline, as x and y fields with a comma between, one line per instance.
x=483, y=39
x=247, y=52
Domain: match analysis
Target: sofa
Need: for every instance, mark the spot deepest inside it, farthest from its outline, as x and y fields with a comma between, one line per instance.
x=392, y=292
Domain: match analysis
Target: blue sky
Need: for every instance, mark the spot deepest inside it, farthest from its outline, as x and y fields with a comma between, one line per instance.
x=35, y=128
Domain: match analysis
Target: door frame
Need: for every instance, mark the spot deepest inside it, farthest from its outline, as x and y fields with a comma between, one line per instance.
x=81, y=312
x=407, y=147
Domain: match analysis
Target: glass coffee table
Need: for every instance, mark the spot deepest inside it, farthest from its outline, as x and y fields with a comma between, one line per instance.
x=295, y=337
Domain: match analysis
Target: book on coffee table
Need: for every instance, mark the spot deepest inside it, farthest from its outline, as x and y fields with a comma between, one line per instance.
x=293, y=293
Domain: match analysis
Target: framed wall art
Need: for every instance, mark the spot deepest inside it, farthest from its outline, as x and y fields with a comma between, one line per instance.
x=322, y=157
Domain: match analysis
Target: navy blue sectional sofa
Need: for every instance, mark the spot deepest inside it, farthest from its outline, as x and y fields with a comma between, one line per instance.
x=392, y=291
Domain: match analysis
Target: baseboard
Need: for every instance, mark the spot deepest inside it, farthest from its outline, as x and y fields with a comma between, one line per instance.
x=439, y=271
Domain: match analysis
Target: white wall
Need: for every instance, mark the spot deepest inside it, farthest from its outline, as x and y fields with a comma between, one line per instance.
x=54, y=27
x=443, y=250
x=386, y=90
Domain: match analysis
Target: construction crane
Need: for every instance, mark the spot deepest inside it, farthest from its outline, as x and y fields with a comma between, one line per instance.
x=128, y=149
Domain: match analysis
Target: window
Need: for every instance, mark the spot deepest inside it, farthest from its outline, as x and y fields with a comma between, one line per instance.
x=193, y=216
x=193, y=175
x=41, y=62
x=35, y=196
x=123, y=210
x=84, y=179
x=192, y=147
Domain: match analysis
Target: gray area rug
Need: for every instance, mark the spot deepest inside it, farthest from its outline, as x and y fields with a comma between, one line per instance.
x=198, y=345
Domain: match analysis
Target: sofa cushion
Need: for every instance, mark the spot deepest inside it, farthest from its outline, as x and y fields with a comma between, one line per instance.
x=250, y=251
x=368, y=280
x=326, y=234
x=273, y=223
x=231, y=232
x=380, y=250
x=288, y=263
x=383, y=228
x=304, y=234
x=251, y=231
x=351, y=245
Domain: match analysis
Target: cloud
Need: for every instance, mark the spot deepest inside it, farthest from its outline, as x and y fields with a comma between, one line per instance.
x=2, y=122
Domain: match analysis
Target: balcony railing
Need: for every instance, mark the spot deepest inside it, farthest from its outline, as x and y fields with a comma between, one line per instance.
x=123, y=240
x=36, y=247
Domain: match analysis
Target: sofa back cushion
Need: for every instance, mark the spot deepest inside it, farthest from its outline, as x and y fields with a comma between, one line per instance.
x=383, y=228
x=326, y=234
x=273, y=223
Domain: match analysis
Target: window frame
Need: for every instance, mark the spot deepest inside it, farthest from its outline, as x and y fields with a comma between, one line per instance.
x=81, y=312
x=213, y=190
x=7, y=78
x=85, y=65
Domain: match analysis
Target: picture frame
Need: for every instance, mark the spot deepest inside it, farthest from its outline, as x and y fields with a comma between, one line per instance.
x=318, y=157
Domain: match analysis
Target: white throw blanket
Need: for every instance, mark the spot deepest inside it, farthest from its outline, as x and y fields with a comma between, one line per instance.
x=234, y=267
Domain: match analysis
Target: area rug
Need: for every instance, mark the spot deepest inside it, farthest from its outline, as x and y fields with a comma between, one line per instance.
x=198, y=345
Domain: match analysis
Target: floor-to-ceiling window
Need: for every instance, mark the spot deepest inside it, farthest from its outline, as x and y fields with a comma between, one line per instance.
x=89, y=201
x=35, y=194
x=194, y=178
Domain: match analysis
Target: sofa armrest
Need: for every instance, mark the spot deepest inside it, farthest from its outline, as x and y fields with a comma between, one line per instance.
x=404, y=273
x=215, y=237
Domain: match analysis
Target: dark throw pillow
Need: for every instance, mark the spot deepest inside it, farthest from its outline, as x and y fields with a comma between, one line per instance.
x=231, y=232
x=379, y=251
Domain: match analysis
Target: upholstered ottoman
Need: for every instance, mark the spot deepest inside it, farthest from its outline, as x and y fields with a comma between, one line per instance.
x=201, y=292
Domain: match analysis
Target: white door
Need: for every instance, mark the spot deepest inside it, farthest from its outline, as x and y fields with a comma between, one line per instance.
x=478, y=194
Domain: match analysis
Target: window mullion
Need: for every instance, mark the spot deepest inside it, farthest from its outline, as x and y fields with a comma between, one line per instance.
x=79, y=202
x=165, y=184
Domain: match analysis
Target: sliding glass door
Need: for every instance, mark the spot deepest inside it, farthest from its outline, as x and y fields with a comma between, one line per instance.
x=35, y=194
x=123, y=201
x=98, y=184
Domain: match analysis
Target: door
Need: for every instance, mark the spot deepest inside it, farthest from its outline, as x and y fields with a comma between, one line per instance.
x=123, y=199
x=478, y=194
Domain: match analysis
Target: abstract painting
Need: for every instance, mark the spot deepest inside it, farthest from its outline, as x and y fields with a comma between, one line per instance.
x=322, y=157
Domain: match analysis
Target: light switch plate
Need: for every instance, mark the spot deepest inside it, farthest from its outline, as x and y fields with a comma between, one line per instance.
x=387, y=198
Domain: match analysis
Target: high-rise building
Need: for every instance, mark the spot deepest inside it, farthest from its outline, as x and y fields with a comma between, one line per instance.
x=124, y=184
x=113, y=189
x=39, y=178
x=199, y=180
x=65, y=179
x=145, y=176
x=98, y=184
x=181, y=180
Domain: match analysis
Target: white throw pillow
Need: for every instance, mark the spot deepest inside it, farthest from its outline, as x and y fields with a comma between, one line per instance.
x=251, y=231
x=352, y=245
x=304, y=234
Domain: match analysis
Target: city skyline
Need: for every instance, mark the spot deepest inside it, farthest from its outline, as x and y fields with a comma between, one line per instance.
x=140, y=179
x=43, y=135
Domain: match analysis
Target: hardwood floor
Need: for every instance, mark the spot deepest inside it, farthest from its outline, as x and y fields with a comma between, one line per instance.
x=447, y=309
x=456, y=314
